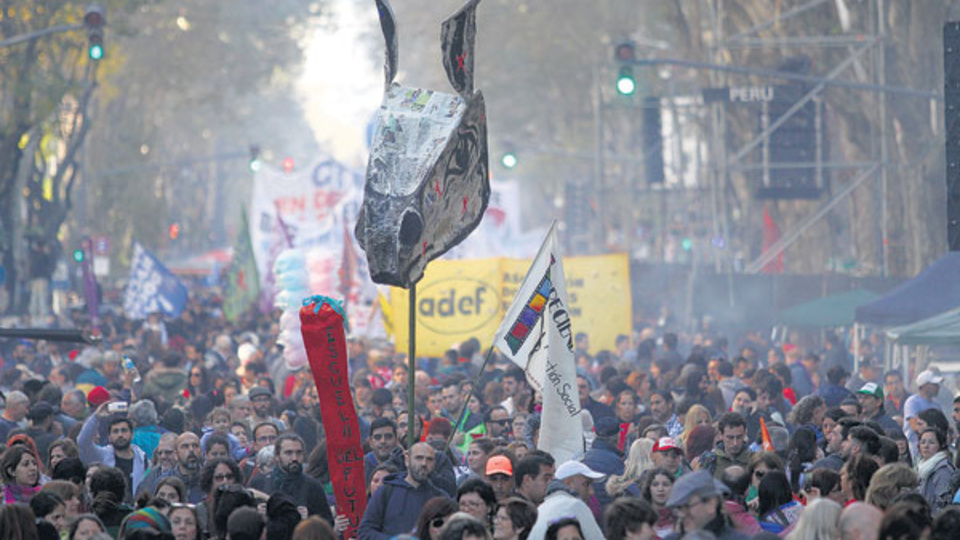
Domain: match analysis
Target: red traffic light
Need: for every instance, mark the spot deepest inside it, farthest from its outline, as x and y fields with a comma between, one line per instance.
x=174, y=231
x=94, y=16
x=625, y=52
x=288, y=164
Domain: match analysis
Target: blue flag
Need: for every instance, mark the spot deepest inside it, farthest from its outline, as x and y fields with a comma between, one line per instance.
x=152, y=288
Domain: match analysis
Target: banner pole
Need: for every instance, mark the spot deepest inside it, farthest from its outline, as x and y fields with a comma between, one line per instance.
x=463, y=406
x=411, y=371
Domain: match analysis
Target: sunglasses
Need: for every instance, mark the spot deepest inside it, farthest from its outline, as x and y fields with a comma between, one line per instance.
x=224, y=477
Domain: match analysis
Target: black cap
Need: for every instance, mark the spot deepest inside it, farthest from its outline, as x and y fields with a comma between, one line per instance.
x=258, y=391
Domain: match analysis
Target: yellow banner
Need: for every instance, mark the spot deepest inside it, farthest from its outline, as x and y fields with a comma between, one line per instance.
x=457, y=300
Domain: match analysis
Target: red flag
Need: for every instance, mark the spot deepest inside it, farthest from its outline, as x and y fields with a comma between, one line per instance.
x=771, y=234
x=324, y=338
x=767, y=442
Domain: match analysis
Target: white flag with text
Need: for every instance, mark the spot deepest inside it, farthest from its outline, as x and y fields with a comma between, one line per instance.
x=537, y=336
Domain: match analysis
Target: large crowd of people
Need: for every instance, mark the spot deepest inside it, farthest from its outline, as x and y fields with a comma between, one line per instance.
x=193, y=428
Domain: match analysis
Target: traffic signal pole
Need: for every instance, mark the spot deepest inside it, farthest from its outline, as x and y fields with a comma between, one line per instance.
x=39, y=34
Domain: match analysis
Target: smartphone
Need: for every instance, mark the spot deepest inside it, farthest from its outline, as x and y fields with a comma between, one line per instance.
x=117, y=407
x=129, y=365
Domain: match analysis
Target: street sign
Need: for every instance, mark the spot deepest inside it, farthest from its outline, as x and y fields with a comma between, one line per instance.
x=101, y=266
x=61, y=277
x=101, y=245
x=753, y=94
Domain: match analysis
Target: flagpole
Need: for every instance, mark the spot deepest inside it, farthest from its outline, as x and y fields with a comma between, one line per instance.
x=463, y=406
x=411, y=371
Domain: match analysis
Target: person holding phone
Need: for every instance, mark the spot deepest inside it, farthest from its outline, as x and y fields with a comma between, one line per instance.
x=121, y=452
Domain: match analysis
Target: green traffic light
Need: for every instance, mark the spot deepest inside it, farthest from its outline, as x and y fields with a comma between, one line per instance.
x=626, y=85
x=255, y=165
x=96, y=52
x=78, y=255
x=687, y=244
x=509, y=160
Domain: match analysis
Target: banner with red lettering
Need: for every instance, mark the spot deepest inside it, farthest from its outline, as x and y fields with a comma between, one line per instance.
x=324, y=337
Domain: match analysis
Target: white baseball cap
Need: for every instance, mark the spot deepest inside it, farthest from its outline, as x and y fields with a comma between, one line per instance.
x=573, y=468
x=928, y=377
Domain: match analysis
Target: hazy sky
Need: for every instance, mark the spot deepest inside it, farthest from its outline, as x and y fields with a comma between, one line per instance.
x=341, y=85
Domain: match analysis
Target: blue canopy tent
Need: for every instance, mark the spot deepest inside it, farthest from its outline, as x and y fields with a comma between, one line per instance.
x=931, y=292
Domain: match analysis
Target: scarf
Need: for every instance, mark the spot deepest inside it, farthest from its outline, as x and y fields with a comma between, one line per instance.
x=15, y=493
x=927, y=466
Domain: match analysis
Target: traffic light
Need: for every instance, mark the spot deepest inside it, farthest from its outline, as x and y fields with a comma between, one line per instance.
x=78, y=255
x=255, y=164
x=288, y=165
x=509, y=160
x=626, y=84
x=625, y=53
x=174, y=231
x=94, y=18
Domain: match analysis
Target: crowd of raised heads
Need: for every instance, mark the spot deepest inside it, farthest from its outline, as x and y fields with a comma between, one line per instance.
x=192, y=428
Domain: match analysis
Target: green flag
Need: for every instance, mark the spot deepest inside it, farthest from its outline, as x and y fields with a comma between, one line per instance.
x=243, y=282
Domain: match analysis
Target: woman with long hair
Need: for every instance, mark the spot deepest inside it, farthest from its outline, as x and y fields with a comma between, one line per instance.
x=17, y=523
x=171, y=489
x=777, y=509
x=935, y=469
x=760, y=464
x=855, y=477
x=697, y=415
x=477, y=455
x=818, y=522
x=809, y=412
x=22, y=439
x=802, y=453
x=433, y=517
x=199, y=382
x=655, y=487
x=699, y=440
x=21, y=475
x=214, y=475
x=60, y=450
x=638, y=461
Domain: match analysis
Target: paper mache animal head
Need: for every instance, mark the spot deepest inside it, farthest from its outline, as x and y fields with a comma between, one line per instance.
x=427, y=184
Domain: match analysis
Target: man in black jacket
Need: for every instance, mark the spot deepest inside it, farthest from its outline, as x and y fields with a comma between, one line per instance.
x=287, y=477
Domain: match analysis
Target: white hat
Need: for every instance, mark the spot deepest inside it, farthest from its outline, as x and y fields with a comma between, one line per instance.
x=573, y=468
x=928, y=377
x=246, y=351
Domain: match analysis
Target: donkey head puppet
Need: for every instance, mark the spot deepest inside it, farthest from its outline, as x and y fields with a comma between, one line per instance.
x=427, y=183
